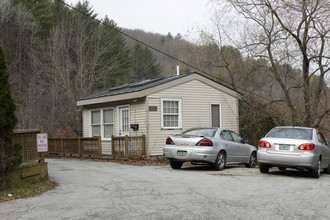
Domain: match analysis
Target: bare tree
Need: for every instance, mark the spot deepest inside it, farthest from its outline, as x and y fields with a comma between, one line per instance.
x=18, y=34
x=292, y=33
x=78, y=60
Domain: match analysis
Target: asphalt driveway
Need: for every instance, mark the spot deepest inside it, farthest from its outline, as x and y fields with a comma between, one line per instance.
x=106, y=190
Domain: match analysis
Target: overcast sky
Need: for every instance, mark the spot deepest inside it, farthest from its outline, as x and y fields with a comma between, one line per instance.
x=157, y=16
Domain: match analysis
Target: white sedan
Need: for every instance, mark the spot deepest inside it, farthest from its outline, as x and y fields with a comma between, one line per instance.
x=215, y=146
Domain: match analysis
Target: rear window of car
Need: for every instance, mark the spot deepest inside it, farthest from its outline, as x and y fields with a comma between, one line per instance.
x=292, y=133
x=209, y=132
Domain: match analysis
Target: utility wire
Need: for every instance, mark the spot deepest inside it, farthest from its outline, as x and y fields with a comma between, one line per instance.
x=168, y=55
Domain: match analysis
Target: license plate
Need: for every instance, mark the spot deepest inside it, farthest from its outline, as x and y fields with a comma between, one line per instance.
x=182, y=153
x=284, y=147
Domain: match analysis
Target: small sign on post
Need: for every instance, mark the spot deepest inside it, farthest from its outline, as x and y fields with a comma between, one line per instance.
x=42, y=142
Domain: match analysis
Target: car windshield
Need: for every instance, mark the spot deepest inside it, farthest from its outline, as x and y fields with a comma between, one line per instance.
x=208, y=132
x=292, y=133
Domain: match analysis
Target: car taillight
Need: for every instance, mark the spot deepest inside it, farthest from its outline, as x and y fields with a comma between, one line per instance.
x=306, y=147
x=264, y=144
x=169, y=141
x=205, y=142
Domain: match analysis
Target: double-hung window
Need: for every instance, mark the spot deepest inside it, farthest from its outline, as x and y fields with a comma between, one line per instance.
x=171, y=113
x=102, y=123
x=96, y=123
x=107, y=123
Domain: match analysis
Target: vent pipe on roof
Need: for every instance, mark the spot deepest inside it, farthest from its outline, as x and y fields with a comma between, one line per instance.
x=177, y=70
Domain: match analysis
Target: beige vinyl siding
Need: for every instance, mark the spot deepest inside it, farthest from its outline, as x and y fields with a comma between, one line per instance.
x=197, y=98
x=86, y=123
x=137, y=116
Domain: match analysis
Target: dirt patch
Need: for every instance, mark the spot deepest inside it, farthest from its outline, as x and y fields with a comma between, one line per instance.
x=27, y=190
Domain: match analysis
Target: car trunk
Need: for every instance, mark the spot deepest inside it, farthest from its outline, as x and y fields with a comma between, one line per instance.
x=186, y=140
x=285, y=146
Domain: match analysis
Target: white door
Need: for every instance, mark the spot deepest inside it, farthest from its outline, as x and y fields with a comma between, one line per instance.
x=123, y=121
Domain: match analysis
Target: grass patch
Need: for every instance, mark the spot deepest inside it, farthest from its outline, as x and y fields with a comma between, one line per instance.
x=27, y=190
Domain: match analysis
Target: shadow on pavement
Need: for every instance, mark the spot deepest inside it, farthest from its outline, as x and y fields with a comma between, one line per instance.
x=292, y=173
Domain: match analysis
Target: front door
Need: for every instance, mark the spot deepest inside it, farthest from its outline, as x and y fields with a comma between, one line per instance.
x=123, y=121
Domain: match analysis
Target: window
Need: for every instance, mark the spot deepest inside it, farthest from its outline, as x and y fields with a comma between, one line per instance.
x=102, y=123
x=225, y=135
x=291, y=133
x=171, y=113
x=321, y=138
x=208, y=132
x=236, y=137
x=96, y=115
x=215, y=115
x=107, y=123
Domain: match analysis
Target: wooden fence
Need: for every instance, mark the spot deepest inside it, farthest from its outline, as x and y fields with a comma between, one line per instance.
x=128, y=147
x=77, y=146
x=122, y=147
x=28, y=140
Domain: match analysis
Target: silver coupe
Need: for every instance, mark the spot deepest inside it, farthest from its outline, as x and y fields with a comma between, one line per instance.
x=215, y=146
x=294, y=147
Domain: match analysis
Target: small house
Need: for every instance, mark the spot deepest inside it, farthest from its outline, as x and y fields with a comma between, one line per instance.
x=157, y=108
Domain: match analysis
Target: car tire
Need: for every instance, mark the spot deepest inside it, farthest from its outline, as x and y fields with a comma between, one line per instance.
x=327, y=170
x=220, y=162
x=253, y=160
x=316, y=172
x=263, y=168
x=176, y=164
x=282, y=168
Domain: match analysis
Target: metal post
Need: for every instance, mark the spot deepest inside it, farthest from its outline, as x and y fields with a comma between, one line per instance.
x=42, y=154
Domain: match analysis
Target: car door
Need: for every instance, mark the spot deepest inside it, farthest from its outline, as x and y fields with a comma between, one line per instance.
x=229, y=145
x=243, y=150
x=325, y=151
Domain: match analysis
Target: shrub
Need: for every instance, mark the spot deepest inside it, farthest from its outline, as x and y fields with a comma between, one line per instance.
x=9, y=153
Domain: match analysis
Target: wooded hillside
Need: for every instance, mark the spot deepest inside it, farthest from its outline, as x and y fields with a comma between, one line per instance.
x=56, y=55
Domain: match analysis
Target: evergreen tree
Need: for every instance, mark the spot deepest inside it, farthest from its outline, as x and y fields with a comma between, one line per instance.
x=9, y=153
x=145, y=64
x=117, y=56
x=43, y=11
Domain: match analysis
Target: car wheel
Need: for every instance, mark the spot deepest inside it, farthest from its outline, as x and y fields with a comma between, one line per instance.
x=263, y=168
x=253, y=160
x=282, y=168
x=316, y=172
x=327, y=170
x=176, y=164
x=220, y=162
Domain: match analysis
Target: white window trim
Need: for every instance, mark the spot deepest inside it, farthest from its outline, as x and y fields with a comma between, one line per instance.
x=220, y=112
x=101, y=122
x=162, y=114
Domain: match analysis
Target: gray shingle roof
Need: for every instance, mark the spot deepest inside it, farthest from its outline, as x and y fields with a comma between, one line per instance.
x=136, y=86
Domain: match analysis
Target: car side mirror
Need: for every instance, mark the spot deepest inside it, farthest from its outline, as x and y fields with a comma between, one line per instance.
x=244, y=141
